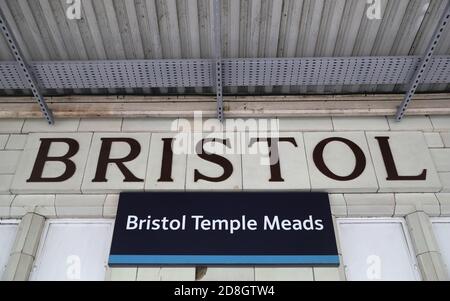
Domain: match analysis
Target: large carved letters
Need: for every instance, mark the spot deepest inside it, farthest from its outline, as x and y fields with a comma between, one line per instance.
x=333, y=161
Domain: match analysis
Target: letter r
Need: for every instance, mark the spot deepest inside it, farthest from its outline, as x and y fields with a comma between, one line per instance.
x=104, y=159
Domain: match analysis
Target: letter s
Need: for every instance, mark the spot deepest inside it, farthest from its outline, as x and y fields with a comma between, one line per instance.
x=318, y=224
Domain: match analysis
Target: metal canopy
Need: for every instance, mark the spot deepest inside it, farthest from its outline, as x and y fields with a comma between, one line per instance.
x=218, y=59
x=395, y=70
x=24, y=70
x=424, y=63
x=280, y=46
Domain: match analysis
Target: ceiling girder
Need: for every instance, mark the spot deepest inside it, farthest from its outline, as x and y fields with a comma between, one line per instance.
x=424, y=64
x=218, y=59
x=25, y=71
x=376, y=70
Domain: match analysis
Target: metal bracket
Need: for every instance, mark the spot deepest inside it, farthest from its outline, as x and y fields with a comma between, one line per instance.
x=25, y=70
x=218, y=59
x=420, y=71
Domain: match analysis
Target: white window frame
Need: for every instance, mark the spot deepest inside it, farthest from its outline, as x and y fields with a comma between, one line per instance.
x=15, y=222
x=49, y=222
x=9, y=221
x=440, y=220
x=383, y=220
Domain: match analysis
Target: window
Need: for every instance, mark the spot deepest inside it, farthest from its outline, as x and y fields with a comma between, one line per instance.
x=8, y=230
x=73, y=250
x=441, y=228
x=377, y=249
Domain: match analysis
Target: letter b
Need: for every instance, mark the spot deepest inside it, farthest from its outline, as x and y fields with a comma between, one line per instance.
x=132, y=222
x=43, y=157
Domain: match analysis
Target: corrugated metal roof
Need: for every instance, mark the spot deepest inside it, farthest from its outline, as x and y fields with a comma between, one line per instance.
x=155, y=29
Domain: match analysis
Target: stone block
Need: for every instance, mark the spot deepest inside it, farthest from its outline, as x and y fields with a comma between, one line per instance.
x=9, y=126
x=5, y=204
x=5, y=184
x=444, y=177
x=79, y=205
x=29, y=234
x=304, y=124
x=411, y=123
x=432, y=267
x=327, y=274
x=441, y=158
x=421, y=233
x=100, y=125
x=149, y=124
x=121, y=274
x=338, y=205
x=18, y=268
x=446, y=138
x=40, y=125
x=17, y=142
x=229, y=274
x=407, y=203
x=110, y=206
x=177, y=274
x=434, y=140
x=166, y=176
x=283, y=274
x=340, y=162
x=444, y=202
x=148, y=274
x=289, y=165
x=210, y=175
x=411, y=157
x=9, y=161
x=260, y=125
x=52, y=169
x=39, y=204
x=114, y=180
x=360, y=205
x=3, y=141
x=349, y=123
x=440, y=123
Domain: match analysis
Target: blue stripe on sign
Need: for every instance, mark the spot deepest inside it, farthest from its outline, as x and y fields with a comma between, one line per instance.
x=224, y=259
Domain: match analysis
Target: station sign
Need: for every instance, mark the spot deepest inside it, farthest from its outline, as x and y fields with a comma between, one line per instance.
x=223, y=228
x=334, y=162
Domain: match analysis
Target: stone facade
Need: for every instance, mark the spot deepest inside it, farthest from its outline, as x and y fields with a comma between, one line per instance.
x=418, y=143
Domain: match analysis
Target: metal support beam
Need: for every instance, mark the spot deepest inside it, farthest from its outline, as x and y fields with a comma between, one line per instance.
x=258, y=72
x=25, y=70
x=420, y=72
x=218, y=59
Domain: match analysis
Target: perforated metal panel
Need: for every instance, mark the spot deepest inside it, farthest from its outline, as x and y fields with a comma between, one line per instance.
x=236, y=72
x=439, y=70
x=10, y=77
x=319, y=71
x=124, y=74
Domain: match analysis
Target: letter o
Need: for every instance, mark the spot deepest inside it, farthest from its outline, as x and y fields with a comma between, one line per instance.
x=174, y=225
x=357, y=151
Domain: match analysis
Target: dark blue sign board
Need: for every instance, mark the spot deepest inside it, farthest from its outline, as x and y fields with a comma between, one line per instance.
x=224, y=228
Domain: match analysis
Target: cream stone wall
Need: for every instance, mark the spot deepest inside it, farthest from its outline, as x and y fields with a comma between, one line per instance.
x=417, y=143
